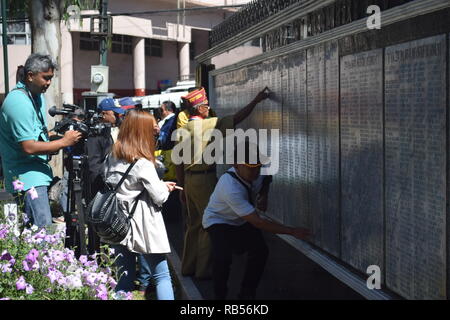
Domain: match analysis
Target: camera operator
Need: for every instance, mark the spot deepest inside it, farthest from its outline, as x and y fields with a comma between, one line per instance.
x=98, y=147
x=24, y=139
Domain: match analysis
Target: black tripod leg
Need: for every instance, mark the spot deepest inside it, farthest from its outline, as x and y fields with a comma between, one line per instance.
x=93, y=241
x=81, y=225
x=71, y=237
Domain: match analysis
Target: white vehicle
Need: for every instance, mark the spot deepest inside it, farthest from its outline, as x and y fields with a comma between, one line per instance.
x=173, y=94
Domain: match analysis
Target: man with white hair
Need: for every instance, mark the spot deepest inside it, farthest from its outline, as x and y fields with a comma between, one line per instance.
x=24, y=139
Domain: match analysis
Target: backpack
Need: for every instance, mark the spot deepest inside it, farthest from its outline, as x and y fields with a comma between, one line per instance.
x=105, y=215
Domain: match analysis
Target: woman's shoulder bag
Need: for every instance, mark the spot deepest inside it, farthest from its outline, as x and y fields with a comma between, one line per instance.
x=105, y=215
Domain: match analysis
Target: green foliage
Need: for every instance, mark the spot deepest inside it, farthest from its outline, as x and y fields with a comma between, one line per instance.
x=17, y=9
x=82, y=4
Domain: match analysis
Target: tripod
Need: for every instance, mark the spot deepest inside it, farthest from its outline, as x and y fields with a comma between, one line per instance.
x=78, y=196
x=74, y=213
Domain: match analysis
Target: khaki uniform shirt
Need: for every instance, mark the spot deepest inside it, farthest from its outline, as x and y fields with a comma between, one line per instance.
x=200, y=131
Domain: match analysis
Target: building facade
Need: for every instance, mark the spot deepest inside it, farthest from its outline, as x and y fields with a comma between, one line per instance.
x=153, y=45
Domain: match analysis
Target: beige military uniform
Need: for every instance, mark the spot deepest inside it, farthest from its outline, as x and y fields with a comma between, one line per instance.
x=199, y=183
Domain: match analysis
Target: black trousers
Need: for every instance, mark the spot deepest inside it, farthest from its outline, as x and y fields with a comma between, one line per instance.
x=226, y=240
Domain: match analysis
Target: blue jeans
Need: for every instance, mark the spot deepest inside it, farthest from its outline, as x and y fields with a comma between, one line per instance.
x=37, y=210
x=157, y=265
x=144, y=274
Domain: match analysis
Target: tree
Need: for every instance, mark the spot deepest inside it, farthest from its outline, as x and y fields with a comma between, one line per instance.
x=45, y=20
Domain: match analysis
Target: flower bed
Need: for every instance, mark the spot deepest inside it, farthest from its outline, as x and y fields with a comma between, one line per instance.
x=35, y=265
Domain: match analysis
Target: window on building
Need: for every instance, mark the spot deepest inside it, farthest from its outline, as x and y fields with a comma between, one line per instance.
x=153, y=47
x=88, y=42
x=121, y=44
x=18, y=33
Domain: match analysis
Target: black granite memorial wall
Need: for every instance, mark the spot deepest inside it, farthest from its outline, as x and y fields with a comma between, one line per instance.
x=364, y=149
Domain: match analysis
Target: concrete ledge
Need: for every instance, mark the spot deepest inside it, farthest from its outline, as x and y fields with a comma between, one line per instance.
x=337, y=270
x=188, y=289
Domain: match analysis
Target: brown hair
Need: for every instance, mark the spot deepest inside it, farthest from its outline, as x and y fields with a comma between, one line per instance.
x=136, y=138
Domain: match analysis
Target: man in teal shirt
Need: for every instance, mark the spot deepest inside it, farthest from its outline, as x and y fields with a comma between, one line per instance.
x=24, y=140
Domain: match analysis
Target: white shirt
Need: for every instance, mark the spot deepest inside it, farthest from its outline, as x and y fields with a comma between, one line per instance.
x=229, y=201
x=114, y=133
x=161, y=123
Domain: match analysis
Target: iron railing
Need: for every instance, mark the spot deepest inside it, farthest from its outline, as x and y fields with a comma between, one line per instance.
x=339, y=13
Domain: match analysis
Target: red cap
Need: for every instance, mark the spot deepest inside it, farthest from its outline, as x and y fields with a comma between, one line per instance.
x=196, y=98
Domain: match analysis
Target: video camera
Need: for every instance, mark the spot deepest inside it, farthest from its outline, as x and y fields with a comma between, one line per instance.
x=75, y=118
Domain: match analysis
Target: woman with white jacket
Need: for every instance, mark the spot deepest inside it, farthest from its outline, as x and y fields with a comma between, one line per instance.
x=147, y=234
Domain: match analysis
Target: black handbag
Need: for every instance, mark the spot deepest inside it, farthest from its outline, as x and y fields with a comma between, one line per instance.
x=105, y=215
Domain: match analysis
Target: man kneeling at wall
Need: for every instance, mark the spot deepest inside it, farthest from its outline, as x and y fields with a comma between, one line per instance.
x=234, y=225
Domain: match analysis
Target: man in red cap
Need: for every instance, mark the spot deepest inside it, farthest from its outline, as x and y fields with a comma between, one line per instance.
x=199, y=179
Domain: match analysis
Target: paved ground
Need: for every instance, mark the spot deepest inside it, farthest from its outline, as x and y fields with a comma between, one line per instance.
x=289, y=275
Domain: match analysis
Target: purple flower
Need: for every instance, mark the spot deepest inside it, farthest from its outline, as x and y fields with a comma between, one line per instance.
x=58, y=256
x=69, y=256
x=32, y=255
x=5, y=298
x=122, y=295
x=54, y=274
x=92, y=263
x=90, y=279
x=29, y=289
x=83, y=259
x=101, y=292
x=26, y=265
x=33, y=193
x=20, y=283
x=30, y=262
x=73, y=282
x=6, y=268
x=6, y=256
x=29, y=266
x=62, y=281
x=47, y=261
x=39, y=237
x=18, y=185
x=4, y=229
x=102, y=277
x=112, y=282
x=129, y=296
